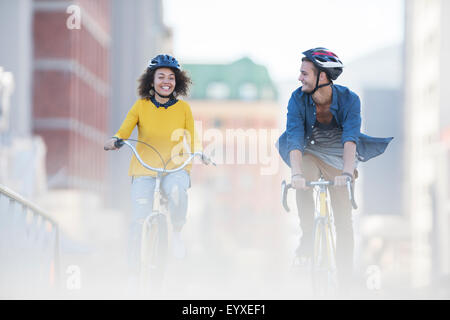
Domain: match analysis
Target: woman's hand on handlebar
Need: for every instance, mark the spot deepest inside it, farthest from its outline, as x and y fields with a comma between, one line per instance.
x=109, y=144
x=207, y=160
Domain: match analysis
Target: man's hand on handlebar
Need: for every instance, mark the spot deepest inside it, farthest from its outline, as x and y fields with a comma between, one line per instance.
x=298, y=181
x=341, y=181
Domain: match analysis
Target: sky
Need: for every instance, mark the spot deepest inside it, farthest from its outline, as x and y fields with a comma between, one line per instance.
x=274, y=33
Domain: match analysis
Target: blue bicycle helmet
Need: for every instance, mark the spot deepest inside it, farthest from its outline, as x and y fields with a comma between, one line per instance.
x=164, y=61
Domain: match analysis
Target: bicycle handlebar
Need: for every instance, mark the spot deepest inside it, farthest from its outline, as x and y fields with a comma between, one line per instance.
x=285, y=188
x=206, y=160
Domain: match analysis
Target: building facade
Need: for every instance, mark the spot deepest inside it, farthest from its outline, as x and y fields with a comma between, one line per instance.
x=22, y=154
x=71, y=88
x=427, y=46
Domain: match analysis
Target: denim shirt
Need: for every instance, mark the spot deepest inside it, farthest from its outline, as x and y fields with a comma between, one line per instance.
x=345, y=107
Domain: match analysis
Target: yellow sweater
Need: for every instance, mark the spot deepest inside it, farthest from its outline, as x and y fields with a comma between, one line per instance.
x=162, y=128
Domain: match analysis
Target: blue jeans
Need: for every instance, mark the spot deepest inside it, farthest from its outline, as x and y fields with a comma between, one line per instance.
x=175, y=186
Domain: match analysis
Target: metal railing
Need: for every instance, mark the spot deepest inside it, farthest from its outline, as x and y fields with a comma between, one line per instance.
x=29, y=247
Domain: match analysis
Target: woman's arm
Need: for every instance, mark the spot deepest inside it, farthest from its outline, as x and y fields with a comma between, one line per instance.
x=129, y=123
x=126, y=128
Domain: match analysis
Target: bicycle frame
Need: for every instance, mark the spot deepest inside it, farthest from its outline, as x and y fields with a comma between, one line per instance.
x=324, y=216
x=155, y=224
x=157, y=192
x=149, y=238
x=324, y=233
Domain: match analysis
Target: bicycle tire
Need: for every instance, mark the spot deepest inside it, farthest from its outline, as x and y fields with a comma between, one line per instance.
x=318, y=269
x=332, y=283
x=154, y=248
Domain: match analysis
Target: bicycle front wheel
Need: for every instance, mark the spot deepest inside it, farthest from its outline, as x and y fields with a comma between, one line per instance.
x=154, y=247
x=324, y=274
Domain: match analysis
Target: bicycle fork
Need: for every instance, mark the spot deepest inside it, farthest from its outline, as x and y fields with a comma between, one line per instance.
x=322, y=232
x=325, y=251
x=149, y=236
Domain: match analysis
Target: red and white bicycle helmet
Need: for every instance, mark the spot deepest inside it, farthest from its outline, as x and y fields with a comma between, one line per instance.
x=325, y=61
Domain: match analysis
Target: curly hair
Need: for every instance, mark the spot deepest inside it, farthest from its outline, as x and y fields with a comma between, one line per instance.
x=182, y=83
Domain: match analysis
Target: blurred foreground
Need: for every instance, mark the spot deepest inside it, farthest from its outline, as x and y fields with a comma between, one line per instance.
x=223, y=262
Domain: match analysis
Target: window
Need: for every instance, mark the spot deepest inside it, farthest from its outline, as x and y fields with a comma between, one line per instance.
x=248, y=92
x=217, y=90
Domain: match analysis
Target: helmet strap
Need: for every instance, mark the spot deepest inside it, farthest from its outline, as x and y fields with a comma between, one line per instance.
x=322, y=85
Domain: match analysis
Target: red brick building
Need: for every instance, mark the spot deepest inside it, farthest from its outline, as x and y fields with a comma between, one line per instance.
x=71, y=89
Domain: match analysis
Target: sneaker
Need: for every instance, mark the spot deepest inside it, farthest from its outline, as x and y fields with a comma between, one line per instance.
x=178, y=248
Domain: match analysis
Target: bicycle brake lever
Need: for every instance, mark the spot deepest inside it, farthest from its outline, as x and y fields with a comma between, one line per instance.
x=349, y=190
x=284, y=189
x=207, y=160
x=351, y=195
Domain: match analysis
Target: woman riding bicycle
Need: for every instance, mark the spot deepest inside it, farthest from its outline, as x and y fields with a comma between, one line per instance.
x=163, y=122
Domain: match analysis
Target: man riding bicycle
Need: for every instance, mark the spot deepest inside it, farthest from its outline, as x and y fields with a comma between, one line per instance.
x=323, y=138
